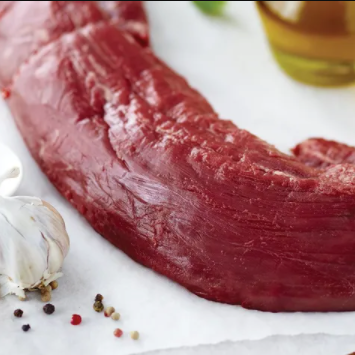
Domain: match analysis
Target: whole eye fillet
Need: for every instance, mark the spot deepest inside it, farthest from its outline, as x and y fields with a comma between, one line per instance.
x=152, y=167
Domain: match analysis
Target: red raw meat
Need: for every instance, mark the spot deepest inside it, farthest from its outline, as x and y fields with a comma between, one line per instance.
x=26, y=26
x=131, y=17
x=5, y=6
x=321, y=153
x=150, y=165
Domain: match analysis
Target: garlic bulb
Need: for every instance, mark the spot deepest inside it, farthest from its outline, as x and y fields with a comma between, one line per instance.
x=33, y=243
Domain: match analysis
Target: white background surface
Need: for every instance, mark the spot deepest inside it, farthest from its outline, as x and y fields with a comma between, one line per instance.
x=229, y=62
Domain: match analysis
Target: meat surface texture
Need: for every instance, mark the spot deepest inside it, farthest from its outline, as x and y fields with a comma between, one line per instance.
x=321, y=153
x=152, y=167
x=26, y=26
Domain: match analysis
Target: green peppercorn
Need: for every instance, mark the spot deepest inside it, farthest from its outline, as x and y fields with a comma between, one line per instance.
x=98, y=306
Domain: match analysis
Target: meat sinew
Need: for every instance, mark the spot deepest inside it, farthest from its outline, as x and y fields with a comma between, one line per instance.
x=148, y=162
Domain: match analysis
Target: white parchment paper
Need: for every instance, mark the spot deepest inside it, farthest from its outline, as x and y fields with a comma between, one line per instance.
x=227, y=60
x=317, y=344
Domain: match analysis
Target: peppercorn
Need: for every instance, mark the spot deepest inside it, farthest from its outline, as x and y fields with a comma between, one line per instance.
x=118, y=333
x=134, y=335
x=54, y=285
x=115, y=316
x=18, y=313
x=75, y=319
x=109, y=311
x=99, y=298
x=26, y=327
x=49, y=309
x=98, y=306
x=46, y=296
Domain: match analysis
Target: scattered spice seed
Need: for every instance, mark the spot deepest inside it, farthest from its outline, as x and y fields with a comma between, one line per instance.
x=115, y=316
x=46, y=296
x=109, y=311
x=118, y=333
x=75, y=319
x=135, y=335
x=99, y=298
x=49, y=309
x=26, y=327
x=98, y=306
x=18, y=313
x=54, y=285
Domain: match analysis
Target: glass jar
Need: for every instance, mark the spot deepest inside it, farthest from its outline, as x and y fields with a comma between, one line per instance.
x=313, y=41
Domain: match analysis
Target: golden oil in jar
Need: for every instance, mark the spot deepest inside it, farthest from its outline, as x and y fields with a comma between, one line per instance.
x=313, y=41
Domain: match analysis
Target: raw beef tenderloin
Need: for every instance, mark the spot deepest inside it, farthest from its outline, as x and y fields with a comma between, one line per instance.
x=26, y=26
x=321, y=153
x=151, y=166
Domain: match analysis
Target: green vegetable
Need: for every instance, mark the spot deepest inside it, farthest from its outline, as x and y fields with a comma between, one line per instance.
x=214, y=8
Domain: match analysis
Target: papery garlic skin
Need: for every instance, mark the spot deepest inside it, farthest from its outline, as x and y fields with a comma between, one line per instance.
x=33, y=244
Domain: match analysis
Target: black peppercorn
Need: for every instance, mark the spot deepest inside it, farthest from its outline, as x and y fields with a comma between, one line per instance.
x=26, y=327
x=49, y=309
x=99, y=298
x=18, y=313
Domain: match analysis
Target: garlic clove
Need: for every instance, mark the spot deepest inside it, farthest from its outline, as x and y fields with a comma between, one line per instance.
x=33, y=244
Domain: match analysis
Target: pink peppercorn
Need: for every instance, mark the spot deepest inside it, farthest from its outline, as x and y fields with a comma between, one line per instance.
x=118, y=333
x=76, y=319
